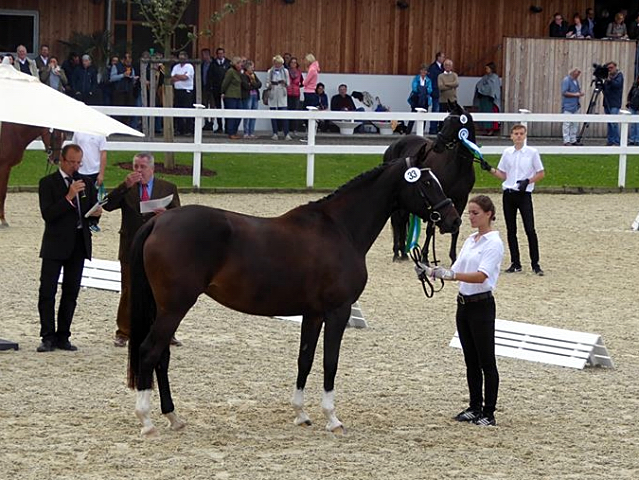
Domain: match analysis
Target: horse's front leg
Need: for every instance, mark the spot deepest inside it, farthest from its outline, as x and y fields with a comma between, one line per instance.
x=430, y=231
x=335, y=325
x=399, y=224
x=311, y=328
x=453, y=247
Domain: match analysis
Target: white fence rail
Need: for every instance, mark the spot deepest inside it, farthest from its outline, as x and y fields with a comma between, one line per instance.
x=310, y=148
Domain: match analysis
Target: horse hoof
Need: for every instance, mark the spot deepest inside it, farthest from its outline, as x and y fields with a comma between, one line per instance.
x=175, y=423
x=396, y=258
x=149, y=432
x=4, y=225
x=341, y=430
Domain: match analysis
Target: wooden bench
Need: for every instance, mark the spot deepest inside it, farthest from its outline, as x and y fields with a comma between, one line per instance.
x=101, y=274
x=555, y=346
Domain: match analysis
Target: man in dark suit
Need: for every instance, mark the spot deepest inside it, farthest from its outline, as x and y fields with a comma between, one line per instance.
x=435, y=69
x=139, y=185
x=216, y=74
x=65, y=196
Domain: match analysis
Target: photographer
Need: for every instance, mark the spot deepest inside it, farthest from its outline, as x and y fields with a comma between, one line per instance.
x=612, y=96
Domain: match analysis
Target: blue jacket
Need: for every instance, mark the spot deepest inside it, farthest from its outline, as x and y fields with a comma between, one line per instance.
x=569, y=104
x=613, y=91
x=420, y=97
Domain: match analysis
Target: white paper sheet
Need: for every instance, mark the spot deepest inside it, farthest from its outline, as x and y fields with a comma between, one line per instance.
x=151, y=205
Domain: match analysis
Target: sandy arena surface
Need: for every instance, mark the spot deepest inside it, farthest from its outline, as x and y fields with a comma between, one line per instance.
x=70, y=416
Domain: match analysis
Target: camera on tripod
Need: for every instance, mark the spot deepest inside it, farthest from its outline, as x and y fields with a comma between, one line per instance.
x=600, y=74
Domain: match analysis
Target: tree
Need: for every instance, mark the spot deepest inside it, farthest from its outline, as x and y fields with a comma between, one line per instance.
x=164, y=18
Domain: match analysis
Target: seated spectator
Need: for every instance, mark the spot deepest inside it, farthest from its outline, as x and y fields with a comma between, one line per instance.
x=617, y=28
x=342, y=101
x=578, y=29
x=589, y=21
x=601, y=24
x=558, y=28
x=54, y=76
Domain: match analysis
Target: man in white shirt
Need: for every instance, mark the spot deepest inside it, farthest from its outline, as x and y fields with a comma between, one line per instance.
x=520, y=168
x=182, y=76
x=94, y=157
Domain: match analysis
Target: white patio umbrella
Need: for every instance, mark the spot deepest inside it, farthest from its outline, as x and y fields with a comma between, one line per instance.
x=26, y=101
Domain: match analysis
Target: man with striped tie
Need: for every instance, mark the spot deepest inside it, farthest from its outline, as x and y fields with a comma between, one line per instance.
x=138, y=186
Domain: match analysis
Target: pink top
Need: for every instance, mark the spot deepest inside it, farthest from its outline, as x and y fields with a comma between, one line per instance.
x=310, y=82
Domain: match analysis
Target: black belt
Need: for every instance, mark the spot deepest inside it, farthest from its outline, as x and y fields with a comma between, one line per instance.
x=514, y=190
x=477, y=297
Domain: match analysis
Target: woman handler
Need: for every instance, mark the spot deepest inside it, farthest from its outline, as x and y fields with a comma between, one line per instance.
x=477, y=270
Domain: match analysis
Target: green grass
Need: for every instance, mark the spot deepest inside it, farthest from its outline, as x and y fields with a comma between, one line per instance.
x=331, y=171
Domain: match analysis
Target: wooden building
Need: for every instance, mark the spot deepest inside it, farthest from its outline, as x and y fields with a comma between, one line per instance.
x=351, y=36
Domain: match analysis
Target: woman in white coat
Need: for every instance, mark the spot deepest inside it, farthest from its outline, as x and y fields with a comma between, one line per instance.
x=277, y=79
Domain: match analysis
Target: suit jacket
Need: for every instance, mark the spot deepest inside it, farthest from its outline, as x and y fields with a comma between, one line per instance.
x=32, y=67
x=434, y=71
x=61, y=217
x=217, y=73
x=128, y=200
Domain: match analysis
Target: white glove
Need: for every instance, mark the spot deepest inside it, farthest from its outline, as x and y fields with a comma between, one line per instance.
x=443, y=273
x=422, y=270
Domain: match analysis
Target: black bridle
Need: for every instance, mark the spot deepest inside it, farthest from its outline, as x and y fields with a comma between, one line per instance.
x=51, y=149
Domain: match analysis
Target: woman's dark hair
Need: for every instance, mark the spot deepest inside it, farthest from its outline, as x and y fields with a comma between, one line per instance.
x=320, y=84
x=485, y=203
x=492, y=66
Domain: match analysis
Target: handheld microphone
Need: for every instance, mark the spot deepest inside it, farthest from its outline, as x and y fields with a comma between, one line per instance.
x=76, y=176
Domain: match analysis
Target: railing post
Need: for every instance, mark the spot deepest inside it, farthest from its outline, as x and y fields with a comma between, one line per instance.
x=310, y=143
x=419, y=124
x=197, y=154
x=525, y=123
x=623, y=143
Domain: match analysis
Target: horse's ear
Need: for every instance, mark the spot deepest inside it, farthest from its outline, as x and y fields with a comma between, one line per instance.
x=421, y=155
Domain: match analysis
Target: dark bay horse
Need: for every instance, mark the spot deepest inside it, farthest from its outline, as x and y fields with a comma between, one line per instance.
x=14, y=139
x=310, y=261
x=450, y=160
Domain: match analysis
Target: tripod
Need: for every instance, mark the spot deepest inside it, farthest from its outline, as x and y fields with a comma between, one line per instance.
x=591, y=106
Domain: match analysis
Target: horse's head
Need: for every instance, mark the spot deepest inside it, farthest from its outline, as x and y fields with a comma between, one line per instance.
x=53, y=142
x=457, y=125
x=422, y=194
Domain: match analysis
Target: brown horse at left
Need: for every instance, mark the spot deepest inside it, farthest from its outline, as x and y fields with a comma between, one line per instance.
x=14, y=139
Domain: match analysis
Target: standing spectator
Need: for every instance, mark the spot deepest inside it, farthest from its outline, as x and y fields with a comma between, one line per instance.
x=633, y=28
x=24, y=64
x=94, y=157
x=601, y=23
x=123, y=80
x=310, y=82
x=590, y=21
x=447, y=83
x=64, y=199
x=293, y=92
x=232, y=95
x=578, y=29
x=54, y=76
x=85, y=82
x=420, y=91
x=217, y=71
x=69, y=66
x=182, y=75
x=488, y=96
x=207, y=94
x=277, y=81
x=570, y=95
x=287, y=59
x=558, y=28
x=633, y=106
x=435, y=69
x=612, y=95
x=250, y=84
x=617, y=28
x=477, y=270
x=139, y=185
x=520, y=168
x=42, y=60
x=8, y=59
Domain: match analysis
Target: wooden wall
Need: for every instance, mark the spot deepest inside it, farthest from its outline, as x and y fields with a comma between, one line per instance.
x=535, y=67
x=59, y=18
x=377, y=37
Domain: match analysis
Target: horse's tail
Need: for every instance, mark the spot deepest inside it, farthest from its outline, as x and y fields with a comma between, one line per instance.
x=142, y=306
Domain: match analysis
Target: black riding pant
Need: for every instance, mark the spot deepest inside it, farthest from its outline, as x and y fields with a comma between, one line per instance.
x=514, y=200
x=476, y=328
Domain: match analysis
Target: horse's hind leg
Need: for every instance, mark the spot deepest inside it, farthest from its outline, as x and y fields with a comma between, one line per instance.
x=334, y=331
x=311, y=328
x=4, y=182
x=166, y=402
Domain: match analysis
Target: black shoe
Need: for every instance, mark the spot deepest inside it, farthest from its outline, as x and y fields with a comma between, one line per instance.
x=46, y=346
x=537, y=269
x=485, y=421
x=577, y=144
x=219, y=130
x=468, y=415
x=513, y=268
x=67, y=345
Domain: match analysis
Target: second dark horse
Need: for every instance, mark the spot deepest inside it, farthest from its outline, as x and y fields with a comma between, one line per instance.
x=450, y=160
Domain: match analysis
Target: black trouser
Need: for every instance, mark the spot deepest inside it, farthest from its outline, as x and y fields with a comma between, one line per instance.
x=514, y=200
x=476, y=328
x=49, y=275
x=184, y=99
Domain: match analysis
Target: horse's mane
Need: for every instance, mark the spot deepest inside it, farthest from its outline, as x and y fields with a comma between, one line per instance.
x=375, y=172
